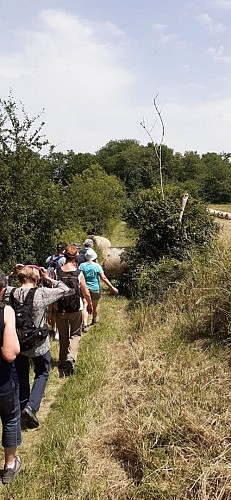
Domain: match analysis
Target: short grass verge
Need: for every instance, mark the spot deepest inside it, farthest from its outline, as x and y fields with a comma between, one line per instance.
x=55, y=463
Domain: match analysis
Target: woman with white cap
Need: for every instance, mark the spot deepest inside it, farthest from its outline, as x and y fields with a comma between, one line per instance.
x=93, y=273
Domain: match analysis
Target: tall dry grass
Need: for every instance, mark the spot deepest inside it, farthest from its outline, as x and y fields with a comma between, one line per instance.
x=165, y=427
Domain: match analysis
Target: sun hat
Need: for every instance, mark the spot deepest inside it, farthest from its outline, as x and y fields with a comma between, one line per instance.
x=90, y=254
x=71, y=251
x=88, y=242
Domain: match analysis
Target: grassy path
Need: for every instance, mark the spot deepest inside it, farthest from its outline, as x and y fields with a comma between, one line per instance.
x=54, y=456
x=147, y=413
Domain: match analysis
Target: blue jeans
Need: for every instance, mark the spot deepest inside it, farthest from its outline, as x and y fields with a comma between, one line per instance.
x=10, y=415
x=41, y=370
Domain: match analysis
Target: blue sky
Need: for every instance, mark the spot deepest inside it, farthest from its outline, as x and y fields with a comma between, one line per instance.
x=96, y=65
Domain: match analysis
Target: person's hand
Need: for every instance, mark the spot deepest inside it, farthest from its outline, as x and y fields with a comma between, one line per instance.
x=115, y=291
x=89, y=308
x=49, y=318
x=18, y=267
x=44, y=274
x=15, y=271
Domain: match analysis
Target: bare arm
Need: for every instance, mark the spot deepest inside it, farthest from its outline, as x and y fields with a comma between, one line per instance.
x=108, y=283
x=86, y=293
x=10, y=347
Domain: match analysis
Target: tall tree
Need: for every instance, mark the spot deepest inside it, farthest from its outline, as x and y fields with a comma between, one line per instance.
x=28, y=198
x=94, y=198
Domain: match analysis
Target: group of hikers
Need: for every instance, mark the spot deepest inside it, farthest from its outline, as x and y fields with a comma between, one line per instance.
x=62, y=294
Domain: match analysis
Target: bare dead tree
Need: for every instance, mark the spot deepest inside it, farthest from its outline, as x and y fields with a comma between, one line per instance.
x=157, y=147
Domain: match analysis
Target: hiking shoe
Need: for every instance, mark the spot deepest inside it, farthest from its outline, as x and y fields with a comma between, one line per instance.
x=94, y=321
x=9, y=473
x=62, y=369
x=84, y=329
x=69, y=366
x=28, y=418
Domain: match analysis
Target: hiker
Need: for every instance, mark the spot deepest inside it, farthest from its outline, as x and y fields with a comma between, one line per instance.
x=88, y=243
x=52, y=264
x=69, y=312
x=78, y=246
x=93, y=273
x=9, y=391
x=29, y=277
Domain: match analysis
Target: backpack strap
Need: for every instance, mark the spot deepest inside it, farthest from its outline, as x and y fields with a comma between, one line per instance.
x=28, y=300
x=30, y=297
x=62, y=274
x=12, y=298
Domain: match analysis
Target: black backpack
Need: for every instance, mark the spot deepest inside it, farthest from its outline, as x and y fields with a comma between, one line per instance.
x=72, y=302
x=28, y=334
x=54, y=261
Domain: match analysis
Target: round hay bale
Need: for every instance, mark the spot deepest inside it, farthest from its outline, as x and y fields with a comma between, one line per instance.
x=114, y=261
x=101, y=242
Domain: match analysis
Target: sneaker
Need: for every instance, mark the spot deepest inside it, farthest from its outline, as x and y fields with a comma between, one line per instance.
x=28, y=418
x=10, y=472
x=69, y=366
x=84, y=329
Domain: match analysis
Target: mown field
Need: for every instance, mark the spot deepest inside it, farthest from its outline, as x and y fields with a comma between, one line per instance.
x=223, y=208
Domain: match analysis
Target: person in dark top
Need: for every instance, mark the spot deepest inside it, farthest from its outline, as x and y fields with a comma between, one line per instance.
x=9, y=390
x=69, y=319
x=88, y=243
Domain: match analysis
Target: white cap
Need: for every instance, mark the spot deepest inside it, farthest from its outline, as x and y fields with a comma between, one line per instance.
x=90, y=254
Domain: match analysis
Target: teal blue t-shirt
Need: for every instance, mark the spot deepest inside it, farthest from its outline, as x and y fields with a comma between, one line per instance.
x=91, y=271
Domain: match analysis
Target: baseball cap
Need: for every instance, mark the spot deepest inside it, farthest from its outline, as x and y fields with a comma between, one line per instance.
x=61, y=247
x=88, y=242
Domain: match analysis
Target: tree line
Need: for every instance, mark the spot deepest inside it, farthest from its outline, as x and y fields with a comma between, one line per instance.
x=48, y=195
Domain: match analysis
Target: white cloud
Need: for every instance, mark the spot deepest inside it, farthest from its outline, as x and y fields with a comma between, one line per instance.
x=113, y=29
x=196, y=85
x=79, y=79
x=206, y=21
x=219, y=55
x=227, y=77
x=69, y=67
x=160, y=27
x=171, y=37
x=223, y=4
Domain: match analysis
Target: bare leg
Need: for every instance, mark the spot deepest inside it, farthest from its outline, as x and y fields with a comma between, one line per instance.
x=84, y=312
x=10, y=454
x=95, y=308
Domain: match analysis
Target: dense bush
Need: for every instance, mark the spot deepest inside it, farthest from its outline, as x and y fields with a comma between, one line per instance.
x=160, y=232
x=164, y=246
x=151, y=281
